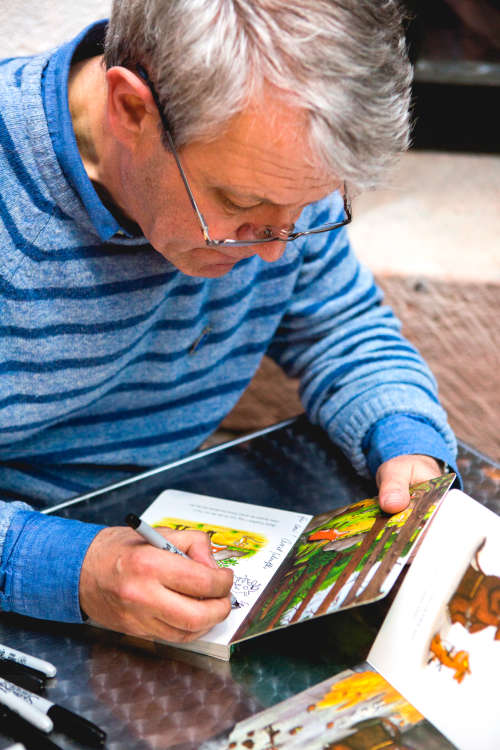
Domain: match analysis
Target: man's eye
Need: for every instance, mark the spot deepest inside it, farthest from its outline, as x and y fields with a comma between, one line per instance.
x=234, y=207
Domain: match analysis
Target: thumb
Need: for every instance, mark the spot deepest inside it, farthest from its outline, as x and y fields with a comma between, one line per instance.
x=201, y=551
x=393, y=482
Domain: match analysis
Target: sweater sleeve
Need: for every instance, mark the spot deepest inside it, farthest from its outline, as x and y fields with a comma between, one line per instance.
x=355, y=368
x=40, y=563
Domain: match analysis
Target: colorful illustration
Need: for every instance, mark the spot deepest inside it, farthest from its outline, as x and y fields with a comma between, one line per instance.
x=476, y=601
x=356, y=710
x=447, y=656
x=343, y=558
x=475, y=605
x=228, y=545
x=439, y=644
x=370, y=734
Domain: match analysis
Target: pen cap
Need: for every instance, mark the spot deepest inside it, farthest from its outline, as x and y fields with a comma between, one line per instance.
x=24, y=668
x=27, y=679
x=40, y=665
x=75, y=726
x=20, y=730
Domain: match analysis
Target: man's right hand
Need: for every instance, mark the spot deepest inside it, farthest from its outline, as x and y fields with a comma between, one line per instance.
x=130, y=586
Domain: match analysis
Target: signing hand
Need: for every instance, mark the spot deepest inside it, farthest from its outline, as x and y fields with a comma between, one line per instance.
x=130, y=586
x=395, y=476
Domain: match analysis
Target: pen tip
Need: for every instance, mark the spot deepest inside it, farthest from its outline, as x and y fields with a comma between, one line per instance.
x=133, y=520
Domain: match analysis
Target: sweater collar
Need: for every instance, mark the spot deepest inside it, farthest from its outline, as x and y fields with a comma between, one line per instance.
x=88, y=43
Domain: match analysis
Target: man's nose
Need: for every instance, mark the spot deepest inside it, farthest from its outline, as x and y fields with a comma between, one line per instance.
x=270, y=251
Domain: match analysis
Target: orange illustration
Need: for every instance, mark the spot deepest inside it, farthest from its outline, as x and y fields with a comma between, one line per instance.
x=326, y=534
x=448, y=657
x=476, y=601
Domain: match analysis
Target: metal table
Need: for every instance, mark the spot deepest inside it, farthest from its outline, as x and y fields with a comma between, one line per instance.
x=148, y=696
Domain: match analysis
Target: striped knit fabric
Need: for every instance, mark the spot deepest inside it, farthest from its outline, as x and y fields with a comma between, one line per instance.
x=111, y=357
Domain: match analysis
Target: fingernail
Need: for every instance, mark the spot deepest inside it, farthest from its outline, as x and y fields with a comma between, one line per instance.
x=392, y=502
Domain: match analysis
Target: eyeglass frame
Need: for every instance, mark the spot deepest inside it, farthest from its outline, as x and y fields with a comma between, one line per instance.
x=209, y=242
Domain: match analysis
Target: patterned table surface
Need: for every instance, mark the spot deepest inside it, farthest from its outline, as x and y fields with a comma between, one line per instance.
x=155, y=697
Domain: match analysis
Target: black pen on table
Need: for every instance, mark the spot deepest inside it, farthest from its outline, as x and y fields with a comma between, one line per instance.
x=14, y=726
x=15, y=746
x=47, y=715
x=27, y=678
x=28, y=661
x=157, y=540
x=10, y=746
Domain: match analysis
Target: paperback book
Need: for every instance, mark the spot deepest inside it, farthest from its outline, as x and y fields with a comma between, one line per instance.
x=355, y=710
x=439, y=644
x=290, y=567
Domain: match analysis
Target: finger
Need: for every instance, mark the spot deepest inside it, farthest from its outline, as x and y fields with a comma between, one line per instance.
x=196, y=544
x=393, y=496
x=140, y=604
x=158, y=612
x=193, y=578
x=181, y=574
x=144, y=623
x=189, y=616
x=394, y=478
x=394, y=481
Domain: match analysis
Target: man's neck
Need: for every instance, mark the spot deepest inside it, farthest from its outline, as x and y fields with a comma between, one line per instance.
x=87, y=91
x=87, y=102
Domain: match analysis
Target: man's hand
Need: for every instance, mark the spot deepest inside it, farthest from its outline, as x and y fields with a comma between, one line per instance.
x=395, y=476
x=130, y=586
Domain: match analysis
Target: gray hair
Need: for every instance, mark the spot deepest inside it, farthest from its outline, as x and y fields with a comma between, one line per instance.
x=343, y=61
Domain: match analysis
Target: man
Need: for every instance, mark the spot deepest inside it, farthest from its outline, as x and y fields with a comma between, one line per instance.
x=171, y=212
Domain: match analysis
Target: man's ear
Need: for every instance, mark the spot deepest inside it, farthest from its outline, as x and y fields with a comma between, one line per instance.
x=130, y=109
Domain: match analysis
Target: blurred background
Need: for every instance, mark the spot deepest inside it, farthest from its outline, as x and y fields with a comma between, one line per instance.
x=431, y=235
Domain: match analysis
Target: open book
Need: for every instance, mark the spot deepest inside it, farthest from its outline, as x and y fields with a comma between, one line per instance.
x=432, y=672
x=439, y=644
x=289, y=567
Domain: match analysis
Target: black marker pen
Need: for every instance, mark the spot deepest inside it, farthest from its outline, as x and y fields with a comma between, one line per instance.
x=18, y=729
x=27, y=678
x=12, y=654
x=10, y=746
x=63, y=719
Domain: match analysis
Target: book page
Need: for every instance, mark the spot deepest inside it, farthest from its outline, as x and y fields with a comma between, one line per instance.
x=252, y=540
x=440, y=642
x=345, y=558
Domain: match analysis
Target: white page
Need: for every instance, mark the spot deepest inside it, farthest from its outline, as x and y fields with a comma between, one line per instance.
x=281, y=528
x=467, y=712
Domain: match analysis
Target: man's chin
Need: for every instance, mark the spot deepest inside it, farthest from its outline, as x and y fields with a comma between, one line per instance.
x=214, y=270
x=210, y=267
x=200, y=261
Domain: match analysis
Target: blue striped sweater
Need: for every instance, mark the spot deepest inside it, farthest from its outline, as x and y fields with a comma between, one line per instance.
x=110, y=357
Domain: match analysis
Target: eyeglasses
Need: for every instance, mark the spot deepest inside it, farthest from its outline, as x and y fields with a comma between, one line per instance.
x=267, y=233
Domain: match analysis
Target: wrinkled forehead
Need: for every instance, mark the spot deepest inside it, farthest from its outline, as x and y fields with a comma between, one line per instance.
x=264, y=149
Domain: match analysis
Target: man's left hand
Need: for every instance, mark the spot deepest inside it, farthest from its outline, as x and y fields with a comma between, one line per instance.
x=394, y=478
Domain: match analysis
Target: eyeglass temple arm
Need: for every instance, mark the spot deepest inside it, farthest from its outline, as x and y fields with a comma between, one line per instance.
x=166, y=128
x=206, y=235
